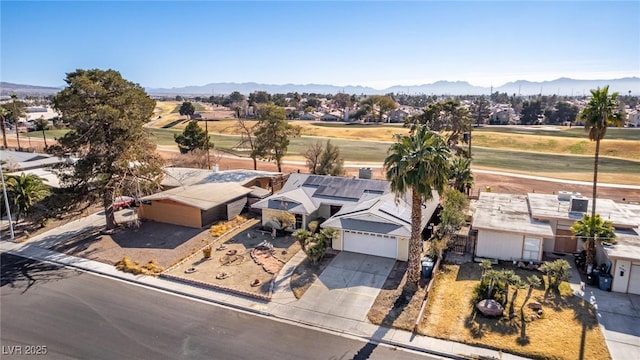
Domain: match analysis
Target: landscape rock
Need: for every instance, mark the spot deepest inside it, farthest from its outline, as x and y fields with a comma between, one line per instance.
x=535, y=306
x=490, y=307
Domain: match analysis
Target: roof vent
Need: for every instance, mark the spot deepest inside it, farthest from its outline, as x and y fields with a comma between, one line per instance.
x=566, y=195
x=579, y=204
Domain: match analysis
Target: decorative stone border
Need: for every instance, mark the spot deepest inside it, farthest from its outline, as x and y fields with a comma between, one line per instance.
x=223, y=288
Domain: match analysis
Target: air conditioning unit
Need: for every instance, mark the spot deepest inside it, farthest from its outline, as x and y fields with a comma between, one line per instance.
x=579, y=204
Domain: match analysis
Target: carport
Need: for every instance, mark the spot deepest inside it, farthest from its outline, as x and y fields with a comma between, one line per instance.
x=196, y=205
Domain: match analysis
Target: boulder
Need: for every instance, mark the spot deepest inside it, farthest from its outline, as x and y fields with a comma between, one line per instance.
x=490, y=307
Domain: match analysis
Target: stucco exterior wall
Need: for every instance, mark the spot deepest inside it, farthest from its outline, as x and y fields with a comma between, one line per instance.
x=171, y=212
x=499, y=245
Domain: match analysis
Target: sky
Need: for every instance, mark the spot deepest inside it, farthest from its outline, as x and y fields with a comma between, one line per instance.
x=369, y=43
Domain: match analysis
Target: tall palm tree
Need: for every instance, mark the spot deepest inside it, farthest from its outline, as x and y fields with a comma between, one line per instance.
x=591, y=229
x=3, y=126
x=461, y=174
x=600, y=112
x=24, y=191
x=419, y=163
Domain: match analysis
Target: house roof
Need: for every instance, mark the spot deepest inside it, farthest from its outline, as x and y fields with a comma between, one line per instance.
x=203, y=196
x=508, y=212
x=627, y=246
x=50, y=178
x=27, y=160
x=550, y=207
x=382, y=215
x=179, y=176
x=304, y=193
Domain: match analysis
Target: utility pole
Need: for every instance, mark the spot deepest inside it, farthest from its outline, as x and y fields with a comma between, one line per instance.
x=6, y=204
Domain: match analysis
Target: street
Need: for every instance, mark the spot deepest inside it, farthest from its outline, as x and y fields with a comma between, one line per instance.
x=60, y=313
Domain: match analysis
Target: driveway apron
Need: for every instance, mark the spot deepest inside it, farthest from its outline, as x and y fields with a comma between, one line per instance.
x=348, y=286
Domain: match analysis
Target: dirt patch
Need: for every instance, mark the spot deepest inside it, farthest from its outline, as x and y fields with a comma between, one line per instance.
x=394, y=307
x=566, y=327
x=164, y=243
x=306, y=273
x=231, y=266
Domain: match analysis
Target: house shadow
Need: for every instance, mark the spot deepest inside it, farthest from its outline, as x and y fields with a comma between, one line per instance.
x=155, y=235
x=22, y=273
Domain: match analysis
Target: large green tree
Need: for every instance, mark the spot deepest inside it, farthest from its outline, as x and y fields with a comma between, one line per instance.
x=600, y=112
x=448, y=117
x=417, y=163
x=590, y=229
x=192, y=137
x=24, y=191
x=324, y=159
x=106, y=115
x=187, y=108
x=530, y=113
x=272, y=134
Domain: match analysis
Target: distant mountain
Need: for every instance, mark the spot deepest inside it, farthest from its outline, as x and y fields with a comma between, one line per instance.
x=6, y=89
x=562, y=86
x=565, y=86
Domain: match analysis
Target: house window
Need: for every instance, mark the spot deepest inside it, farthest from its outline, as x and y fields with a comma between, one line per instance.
x=333, y=209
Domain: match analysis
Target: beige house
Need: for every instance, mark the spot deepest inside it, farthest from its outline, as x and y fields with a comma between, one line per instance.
x=524, y=227
x=363, y=211
x=196, y=205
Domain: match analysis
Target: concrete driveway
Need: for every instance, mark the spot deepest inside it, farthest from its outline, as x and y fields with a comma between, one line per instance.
x=348, y=286
x=619, y=318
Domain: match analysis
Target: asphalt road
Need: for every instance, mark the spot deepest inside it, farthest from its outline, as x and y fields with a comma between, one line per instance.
x=72, y=315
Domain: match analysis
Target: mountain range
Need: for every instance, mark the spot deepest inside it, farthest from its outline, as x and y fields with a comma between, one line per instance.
x=561, y=86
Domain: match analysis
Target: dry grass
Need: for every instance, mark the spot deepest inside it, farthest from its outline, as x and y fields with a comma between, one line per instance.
x=624, y=149
x=306, y=274
x=392, y=307
x=568, y=328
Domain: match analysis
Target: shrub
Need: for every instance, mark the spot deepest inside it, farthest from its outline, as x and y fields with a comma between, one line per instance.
x=313, y=226
x=222, y=227
x=206, y=252
x=130, y=266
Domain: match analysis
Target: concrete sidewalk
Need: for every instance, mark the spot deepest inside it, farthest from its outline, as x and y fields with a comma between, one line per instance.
x=283, y=304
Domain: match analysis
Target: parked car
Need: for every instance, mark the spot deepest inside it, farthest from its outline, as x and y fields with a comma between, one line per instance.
x=122, y=202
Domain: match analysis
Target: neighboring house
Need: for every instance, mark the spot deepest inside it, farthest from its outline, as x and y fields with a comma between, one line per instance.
x=398, y=115
x=332, y=116
x=309, y=116
x=519, y=227
x=634, y=118
x=364, y=212
x=196, y=205
x=19, y=162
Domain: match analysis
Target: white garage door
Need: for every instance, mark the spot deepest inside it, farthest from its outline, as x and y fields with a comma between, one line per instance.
x=371, y=244
x=634, y=280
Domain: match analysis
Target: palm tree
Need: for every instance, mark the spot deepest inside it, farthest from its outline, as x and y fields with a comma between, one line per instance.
x=461, y=174
x=24, y=191
x=419, y=163
x=600, y=112
x=18, y=109
x=533, y=281
x=3, y=126
x=42, y=124
x=591, y=229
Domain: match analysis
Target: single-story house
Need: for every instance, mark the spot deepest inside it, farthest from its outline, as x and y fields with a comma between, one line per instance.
x=364, y=211
x=196, y=205
x=519, y=227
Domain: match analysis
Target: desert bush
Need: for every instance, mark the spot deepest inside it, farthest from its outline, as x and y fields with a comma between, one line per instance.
x=130, y=266
x=206, y=252
x=313, y=226
x=222, y=227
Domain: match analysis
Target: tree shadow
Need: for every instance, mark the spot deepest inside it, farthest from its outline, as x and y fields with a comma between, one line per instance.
x=22, y=273
x=398, y=306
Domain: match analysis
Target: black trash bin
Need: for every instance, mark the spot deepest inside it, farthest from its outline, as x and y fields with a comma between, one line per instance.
x=427, y=267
